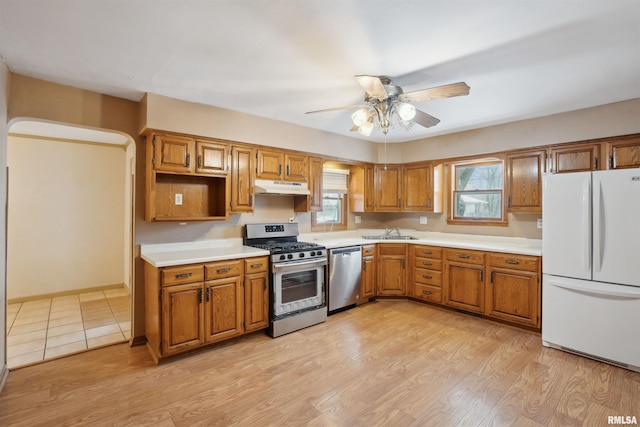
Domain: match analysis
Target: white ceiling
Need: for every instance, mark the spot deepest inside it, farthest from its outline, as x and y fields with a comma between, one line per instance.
x=281, y=58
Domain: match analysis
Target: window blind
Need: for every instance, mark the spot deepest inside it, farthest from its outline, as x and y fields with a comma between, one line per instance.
x=335, y=180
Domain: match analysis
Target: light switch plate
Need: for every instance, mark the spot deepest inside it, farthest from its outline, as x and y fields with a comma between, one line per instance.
x=178, y=199
x=423, y=220
x=358, y=219
x=539, y=222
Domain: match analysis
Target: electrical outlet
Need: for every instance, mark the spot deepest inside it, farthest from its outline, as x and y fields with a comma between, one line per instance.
x=358, y=219
x=539, y=222
x=423, y=220
x=292, y=219
x=178, y=199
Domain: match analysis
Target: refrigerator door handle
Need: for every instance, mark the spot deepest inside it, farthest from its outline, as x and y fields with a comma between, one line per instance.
x=598, y=225
x=586, y=225
x=593, y=289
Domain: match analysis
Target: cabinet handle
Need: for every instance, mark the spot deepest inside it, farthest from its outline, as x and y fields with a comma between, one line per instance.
x=183, y=275
x=199, y=161
x=250, y=199
x=427, y=263
x=595, y=163
x=426, y=277
x=611, y=163
x=364, y=266
x=464, y=256
x=427, y=252
x=481, y=275
x=256, y=265
x=288, y=170
x=427, y=292
x=512, y=261
x=491, y=277
x=398, y=202
x=223, y=270
x=279, y=169
x=509, y=201
x=429, y=202
x=208, y=289
x=200, y=295
x=188, y=160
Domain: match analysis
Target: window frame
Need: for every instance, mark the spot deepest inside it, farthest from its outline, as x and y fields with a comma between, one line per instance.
x=452, y=190
x=342, y=225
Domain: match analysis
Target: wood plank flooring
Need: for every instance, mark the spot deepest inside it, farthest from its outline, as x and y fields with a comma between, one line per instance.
x=390, y=363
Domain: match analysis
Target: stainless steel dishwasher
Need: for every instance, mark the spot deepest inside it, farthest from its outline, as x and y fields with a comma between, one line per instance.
x=345, y=265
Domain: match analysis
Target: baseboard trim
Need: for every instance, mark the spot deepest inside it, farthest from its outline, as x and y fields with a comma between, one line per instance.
x=70, y=292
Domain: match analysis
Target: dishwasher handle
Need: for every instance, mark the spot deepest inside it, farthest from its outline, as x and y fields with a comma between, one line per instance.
x=347, y=251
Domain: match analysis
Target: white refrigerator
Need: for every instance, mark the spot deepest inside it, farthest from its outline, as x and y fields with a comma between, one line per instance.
x=591, y=265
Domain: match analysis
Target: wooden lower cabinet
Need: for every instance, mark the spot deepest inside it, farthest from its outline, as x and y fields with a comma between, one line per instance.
x=368, y=274
x=190, y=306
x=427, y=273
x=465, y=287
x=513, y=291
x=391, y=274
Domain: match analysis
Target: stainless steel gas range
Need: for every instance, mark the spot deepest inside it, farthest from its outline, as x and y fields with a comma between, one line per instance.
x=297, y=280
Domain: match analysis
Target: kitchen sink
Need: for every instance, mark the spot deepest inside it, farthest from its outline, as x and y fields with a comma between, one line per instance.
x=389, y=237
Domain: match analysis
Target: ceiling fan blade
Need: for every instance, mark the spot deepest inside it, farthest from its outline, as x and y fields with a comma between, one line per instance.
x=346, y=107
x=373, y=86
x=354, y=128
x=424, y=119
x=446, y=91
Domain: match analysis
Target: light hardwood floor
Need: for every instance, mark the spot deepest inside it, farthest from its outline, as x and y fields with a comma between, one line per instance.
x=390, y=363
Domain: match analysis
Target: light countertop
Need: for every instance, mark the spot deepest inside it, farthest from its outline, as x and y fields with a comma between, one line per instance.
x=170, y=254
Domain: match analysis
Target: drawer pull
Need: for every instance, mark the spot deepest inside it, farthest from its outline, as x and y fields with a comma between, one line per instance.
x=427, y=252
x=464, y=256
x=427, y=263
x=427, y=292
x=183, y=275
x=426, y=277
x=256, y=265
x=512, y=261
x=223, y=270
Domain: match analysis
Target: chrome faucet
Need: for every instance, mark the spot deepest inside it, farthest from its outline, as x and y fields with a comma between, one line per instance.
x=398, y=231
x=387, y=231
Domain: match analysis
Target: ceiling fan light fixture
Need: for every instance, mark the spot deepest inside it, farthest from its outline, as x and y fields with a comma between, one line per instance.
x=406, y=111
x=366, y=128
x=359, y=117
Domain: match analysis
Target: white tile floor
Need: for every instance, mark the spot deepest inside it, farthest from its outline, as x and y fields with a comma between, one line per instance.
x=50, y=327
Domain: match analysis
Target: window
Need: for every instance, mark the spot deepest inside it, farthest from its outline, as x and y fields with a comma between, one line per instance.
x=334, y=201
x=476, y=194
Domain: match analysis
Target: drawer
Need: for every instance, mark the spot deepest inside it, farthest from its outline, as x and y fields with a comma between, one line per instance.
x=222, y=269
x=428, y=277
x=368, y=250
x=181, y=275
x=464, y=255
x=427, y=251
x=515, y=262
x=256, y=265
x=428, y=293
x=431, y=264
x=392, y=249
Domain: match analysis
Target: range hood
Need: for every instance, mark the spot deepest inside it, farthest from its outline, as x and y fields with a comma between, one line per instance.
x=281, y=188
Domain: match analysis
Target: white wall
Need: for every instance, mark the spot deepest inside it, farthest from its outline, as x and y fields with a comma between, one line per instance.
x=66, y=216
x=4, y=96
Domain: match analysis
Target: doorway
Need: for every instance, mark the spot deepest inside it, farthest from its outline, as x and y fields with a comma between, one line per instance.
x=70, y=239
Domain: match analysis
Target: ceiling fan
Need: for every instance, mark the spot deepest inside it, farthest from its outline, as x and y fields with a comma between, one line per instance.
x=386, y=103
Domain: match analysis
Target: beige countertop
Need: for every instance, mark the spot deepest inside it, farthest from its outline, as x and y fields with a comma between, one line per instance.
x=170, y=254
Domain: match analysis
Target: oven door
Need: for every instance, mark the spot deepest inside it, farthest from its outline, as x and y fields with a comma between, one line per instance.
x=298, y=286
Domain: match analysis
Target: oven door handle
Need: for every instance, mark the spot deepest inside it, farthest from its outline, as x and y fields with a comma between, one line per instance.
x=289, y=266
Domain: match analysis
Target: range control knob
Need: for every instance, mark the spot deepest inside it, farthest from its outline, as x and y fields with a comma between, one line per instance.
x=313, y=253
x=289, y=256
x=282, y=257
x=319, y=253
x=301, y=255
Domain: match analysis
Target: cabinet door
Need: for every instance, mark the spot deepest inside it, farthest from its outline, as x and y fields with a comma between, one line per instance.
x=367, y=279
x=513, y=296
x=417, y=195
x=624, y=153
x=211, y=157
x=296, y=168
x=524, y=181
x=242, y=167
x=465, y=287
x=269, y=164
x=315, y=184
x=391, y=276
x=388, y=188
x=173, y=153
x=182, y=314
x=256, y=301
x=369, y=188
x=361, y=188
x=575, y=158
x=224, y=311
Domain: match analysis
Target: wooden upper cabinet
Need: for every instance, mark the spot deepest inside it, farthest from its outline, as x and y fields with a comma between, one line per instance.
x=416, y=196
x=388, y=188
x=270, y=164
x=173, y=153
x=242, y=175
x=524, y=181
x=575, y=158
x=623, y=152
x=211, y=157
x=361, y=188
x=315, y=184
x=296, y=167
